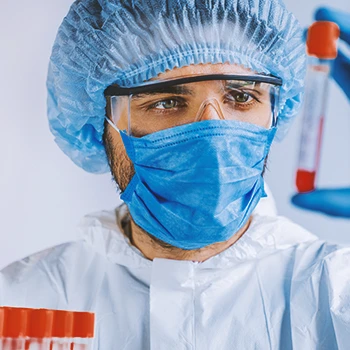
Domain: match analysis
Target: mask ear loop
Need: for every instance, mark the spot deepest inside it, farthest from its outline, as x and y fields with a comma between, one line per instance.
x=213, y=103
x=112, y=124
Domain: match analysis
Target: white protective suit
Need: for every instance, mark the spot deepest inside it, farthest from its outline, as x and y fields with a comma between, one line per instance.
x=277, y=287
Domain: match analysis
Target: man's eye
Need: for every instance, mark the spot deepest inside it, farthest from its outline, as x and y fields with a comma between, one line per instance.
x=241, y=97
x=166, y=104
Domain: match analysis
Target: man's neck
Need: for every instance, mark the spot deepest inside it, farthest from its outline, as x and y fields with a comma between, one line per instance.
x=152, y=249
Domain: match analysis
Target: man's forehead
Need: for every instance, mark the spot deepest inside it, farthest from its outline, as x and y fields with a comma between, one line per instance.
x=207, y=68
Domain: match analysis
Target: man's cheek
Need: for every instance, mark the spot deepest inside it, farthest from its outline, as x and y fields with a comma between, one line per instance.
x=123, y=170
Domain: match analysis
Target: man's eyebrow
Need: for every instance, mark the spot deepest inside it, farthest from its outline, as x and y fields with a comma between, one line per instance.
x=176, y=90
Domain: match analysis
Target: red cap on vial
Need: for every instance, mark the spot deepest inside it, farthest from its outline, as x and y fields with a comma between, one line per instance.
x=322, y=39
x=15, y=322
x=39, y=323
x=62, y=324
x=83, y=325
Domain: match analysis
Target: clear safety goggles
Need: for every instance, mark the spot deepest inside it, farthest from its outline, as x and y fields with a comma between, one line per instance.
x=159, y=105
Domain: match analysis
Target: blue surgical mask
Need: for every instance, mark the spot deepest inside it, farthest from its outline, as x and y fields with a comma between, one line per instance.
x=196, y=184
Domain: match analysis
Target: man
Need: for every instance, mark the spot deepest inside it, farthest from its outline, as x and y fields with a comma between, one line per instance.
x=181, y=101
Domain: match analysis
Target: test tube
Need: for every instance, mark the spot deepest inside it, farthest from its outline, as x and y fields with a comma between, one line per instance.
x=83, y=330
x=62, y=330
x=321, y=49
x=39, y=329
x=14, y=328
x=2, y=322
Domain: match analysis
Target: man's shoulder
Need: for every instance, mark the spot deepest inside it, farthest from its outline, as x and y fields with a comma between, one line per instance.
x=42, y=260
x=277, y=234
x=93, y=231
x=61, y=269
x=42, y=277
x=54, y=278
x=279, y=231
x=311, y=254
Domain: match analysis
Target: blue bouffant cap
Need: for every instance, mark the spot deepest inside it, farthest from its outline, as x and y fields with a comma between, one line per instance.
x=104, y=42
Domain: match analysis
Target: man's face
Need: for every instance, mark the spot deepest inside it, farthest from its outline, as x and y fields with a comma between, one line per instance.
x=121, y=167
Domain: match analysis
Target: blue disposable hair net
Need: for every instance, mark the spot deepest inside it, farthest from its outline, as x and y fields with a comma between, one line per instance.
x=103, y=42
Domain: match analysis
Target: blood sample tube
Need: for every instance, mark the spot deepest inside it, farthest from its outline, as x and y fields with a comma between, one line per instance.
x=321, y=50
x=83, y=330
x=14, y=328
x=2, y=322
x=62, y=330
x=39, y=329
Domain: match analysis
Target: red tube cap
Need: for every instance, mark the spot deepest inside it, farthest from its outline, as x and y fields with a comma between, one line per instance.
x=62, y=324
x=83, y=325
x=2, y=321
x=39, y=323
x=15, y=322
x=322, y=39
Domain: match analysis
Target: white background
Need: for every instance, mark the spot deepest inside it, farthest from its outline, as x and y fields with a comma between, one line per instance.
x=43, y=194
